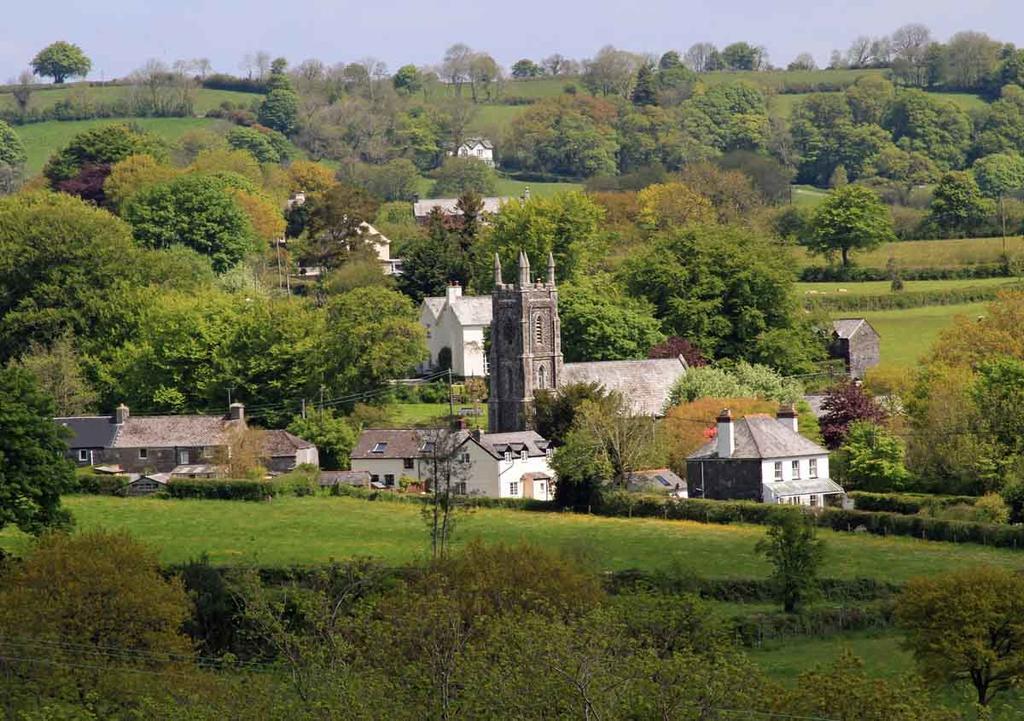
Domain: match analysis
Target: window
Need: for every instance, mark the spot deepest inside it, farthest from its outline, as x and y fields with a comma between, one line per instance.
x=523, y=455
x=796, y=469
x=513, y=488
x=814, y=501
x=407, y=463
x=374, y=478
x=460, y=488
x=379, y=447
x=182, y=458
x=464, y=457
x=143, y=454
x=542, y=377
x=778, y=470
x=389, y=480
x=538, y=330
x=83, y=455
x=508, y=456
x=812, y=468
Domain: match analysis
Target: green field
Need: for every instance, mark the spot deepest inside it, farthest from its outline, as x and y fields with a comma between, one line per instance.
x=910, y=254
x=507, y=187
x=909, y=334
x=494, y=120
x=42, y=139
x=422, y=414
x=882, y=287
x=317, y=529
x=83, y=93
x=807, y=195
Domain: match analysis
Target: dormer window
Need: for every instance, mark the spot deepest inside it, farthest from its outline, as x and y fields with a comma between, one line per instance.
x=523, y=455
x=508, y=456
x=379, y=447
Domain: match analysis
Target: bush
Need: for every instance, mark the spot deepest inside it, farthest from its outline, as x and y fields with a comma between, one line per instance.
x=754, y=630
x=222, y=81
x=831, y=274
x=906, y=503
x=301, y=482
x=101, y=484
x=898, y=301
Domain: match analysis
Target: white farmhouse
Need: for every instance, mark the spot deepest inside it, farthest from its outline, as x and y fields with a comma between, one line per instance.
x=496, y=465
x=480, y=148
x=760, y=458
x=455, y=326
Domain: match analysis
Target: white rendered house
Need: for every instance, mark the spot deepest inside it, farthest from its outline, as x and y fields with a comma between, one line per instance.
x=496, y=465
x=480, y=148
x=457, y=323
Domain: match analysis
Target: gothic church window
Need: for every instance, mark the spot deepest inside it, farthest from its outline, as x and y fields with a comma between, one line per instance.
x=542, y=377
x=538, y=330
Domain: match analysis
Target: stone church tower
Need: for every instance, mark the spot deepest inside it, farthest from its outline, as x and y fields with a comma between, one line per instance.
x=526, y=345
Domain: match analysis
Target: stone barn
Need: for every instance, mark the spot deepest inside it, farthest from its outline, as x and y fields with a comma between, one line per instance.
x=857, y=344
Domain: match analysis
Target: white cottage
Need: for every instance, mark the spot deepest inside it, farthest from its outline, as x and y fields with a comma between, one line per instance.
x=496, y=465
x=455, y=326
x=760, y=458
x=480, y=148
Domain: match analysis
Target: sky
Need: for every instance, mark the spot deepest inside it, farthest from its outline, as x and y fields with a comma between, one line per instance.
x=121, y=35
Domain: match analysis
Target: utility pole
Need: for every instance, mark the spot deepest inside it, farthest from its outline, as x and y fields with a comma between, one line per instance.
x=321, y=403
x=451, y=400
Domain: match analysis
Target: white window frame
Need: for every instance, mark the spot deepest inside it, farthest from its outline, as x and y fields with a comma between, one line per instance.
x=778, y=470
x=143, y=454
x=513, y=488
x=524, y=455
x=83, y=454
x=795, y=469
x=464, y=457
x=814, y=500
x=508, y=456
x=812, y=468
x=379, y=447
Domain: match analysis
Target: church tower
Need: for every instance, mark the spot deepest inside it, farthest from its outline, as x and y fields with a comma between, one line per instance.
x=526, y=344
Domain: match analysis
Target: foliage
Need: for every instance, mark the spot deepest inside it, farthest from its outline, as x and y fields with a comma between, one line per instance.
x=796, y=554
x=723, y=288
x=873, y=458
x=668, y=205
x=60, y=61
x=924, y=123
x=12, y=150
x=105, y=145
x=999, y=174
x=582, y=469
x=844, y=404
x=599, y=323
x=335, y=225
x=280, y=110
x=86, y=606
x=739, y=380
x=555, y=411
x=568, y=136
x=266, y=145
x=65, y=267
x=332, y=434
x=967, y=625
x=133, y=175
x=851, y=218
x=957, y=204
x=458, y=175
x=33, y=470
x=194, y=210
x=58, y=372
x=676, y=347
x=565, y=225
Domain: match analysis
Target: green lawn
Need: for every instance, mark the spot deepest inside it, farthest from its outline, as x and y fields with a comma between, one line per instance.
x=507, y=187
x=965, y=101
x=205, y=99
x=882, y=287
x=43, y=139
x=909, y=334
x=316, y=529
x=541, y=87
x=492, y=121
x=807, y=195
x=423, y=414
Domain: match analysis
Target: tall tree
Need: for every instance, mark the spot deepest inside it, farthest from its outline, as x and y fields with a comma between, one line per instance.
x=796, y=554
x=335, y=226
x=957, y=205
x=60, y=61
x=851, y=218
x=33, y=470
x=845, y=404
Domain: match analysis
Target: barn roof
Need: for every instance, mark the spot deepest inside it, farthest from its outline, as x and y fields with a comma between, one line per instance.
x=172, y=431
x=848, y=327
x=281, y=444
x=759, y=437
x=89, y=431
x=645, y=384
x=450, y=206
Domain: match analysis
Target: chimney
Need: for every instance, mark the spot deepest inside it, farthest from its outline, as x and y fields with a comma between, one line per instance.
x=787, y=416
x=477, y=434
x=236, y=412
x=121, y=414
x=726, y=439
x=453, y=291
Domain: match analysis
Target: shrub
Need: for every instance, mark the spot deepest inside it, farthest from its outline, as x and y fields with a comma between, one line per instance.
x=906, y=503
x=101, y=484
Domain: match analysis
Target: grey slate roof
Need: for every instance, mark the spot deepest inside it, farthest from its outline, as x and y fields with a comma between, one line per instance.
x=497, y=443
x=473, y=309
x=660, y=479
x=400, y=443
x=89, y=431
x=282, y=444
x=449, y=206
x=434, y=304
x=643, y=383
x=172, y=431
x=848, y=327
x=760, y=436
x=350, y=478
x=804, y=487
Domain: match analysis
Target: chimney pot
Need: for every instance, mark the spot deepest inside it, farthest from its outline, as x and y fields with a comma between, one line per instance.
x=787, y=415
x=121, y=414
x=725, y=439
x=236, y=411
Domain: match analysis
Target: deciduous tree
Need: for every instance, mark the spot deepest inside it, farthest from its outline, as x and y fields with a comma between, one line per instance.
x=60, y=61
x=796, y=554
x=851, y=218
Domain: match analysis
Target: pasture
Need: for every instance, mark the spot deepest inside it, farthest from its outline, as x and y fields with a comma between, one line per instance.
x=41, y=140
x=84, y=94
x=316, y=529
x=882, y=287
x=913, y=254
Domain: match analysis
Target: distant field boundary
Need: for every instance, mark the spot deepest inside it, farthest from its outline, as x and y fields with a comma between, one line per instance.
x=905, y=299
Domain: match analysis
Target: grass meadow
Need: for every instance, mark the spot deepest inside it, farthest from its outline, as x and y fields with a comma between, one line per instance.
x=205, y=99
x=882, y=287
x=41, y=140
x=912, y=254
x=316, y=529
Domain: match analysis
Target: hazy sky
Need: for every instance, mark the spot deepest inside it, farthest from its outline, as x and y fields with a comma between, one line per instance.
x=120, y=35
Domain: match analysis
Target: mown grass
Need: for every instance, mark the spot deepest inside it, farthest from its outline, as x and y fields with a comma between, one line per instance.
x=204, y=99
x=424, y=414
x=807, y=195
x=493, y=121
x=883, y=287
x=910, y=254
x=316, y=529
x=41, y=140
x=908, y=334
x=509, y=188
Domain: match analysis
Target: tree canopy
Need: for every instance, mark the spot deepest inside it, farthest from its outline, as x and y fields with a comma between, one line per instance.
x=61, y=60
